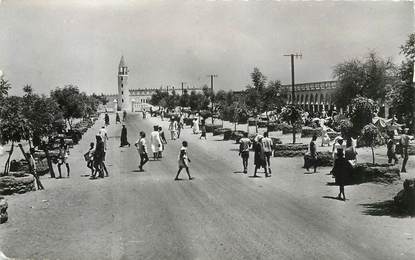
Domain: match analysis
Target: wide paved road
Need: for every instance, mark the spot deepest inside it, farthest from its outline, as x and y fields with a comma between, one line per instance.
x=221, y=214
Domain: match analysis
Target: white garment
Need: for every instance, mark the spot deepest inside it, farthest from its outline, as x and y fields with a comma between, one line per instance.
x=196, y=126
x=104, y=136
x=155, y=142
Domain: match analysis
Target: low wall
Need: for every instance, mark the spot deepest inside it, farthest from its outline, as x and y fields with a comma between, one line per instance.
x=11, y=184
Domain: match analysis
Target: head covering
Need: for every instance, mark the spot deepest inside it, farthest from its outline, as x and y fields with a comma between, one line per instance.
x=258, y=137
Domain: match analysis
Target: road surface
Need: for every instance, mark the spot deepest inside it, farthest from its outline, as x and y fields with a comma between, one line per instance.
x=221, y=214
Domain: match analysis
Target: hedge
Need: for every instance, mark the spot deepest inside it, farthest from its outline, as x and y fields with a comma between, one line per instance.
x=309, y=131
x=367, y=172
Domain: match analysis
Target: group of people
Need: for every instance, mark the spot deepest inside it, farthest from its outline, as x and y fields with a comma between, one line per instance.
x=403, y=149
x=117, y=118
x=95, y=157
x=262, y=146
x=158, y=141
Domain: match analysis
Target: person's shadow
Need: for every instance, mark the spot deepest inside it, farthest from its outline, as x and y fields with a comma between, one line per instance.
x=333, y=198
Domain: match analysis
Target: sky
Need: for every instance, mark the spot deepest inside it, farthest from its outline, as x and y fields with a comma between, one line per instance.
x=50, y=44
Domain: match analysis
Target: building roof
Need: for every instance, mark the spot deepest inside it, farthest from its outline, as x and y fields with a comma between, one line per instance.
x=122, y=62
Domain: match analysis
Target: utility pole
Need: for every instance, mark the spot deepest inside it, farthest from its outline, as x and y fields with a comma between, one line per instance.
x=211, y=89
x=293, y=83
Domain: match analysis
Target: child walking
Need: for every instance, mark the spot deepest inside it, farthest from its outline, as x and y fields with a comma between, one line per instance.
x=183, y=161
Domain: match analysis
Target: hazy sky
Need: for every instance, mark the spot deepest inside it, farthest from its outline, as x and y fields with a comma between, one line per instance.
x=53, y=43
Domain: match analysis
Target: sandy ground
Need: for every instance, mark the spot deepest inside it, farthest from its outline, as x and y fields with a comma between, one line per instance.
x=221, y=214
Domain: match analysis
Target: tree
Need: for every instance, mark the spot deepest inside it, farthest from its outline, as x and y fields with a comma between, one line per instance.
x=258, y=79
x=370, y=133
x=4, y=88
x=346, y=127
x=184, y=99
x=12, y=124
x=293, y=115
x=367, y=78
x=401, y=94
x=362, y=113
x=158, y=96
x=271, y=97
x=69, y=101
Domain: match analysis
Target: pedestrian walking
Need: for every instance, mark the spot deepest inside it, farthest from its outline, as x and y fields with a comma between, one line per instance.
x=196, y=126
x=267, y=144
x=312, y=159
x=144, y=114
x=350, y=152
x=162, y=114
x=391, y=149
x=107, y=119
x=104, y=136
x=337, y=146
x=124, y=115
x=163, y=141
x=156, y=145
x=342, y=169
x=404, y=142
x=124, y=140
x=98, y=157
x=142, y=150
x=244, y=145
x=173, y=128
x=117, y=118
x=89, y=158
x=179, y=128
x=203, y=130
x=183, y=161
x=63, y=159
x=325, y=139
x=259, y=156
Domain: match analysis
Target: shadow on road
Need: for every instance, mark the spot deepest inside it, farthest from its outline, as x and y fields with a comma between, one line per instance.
x=383, y=208
x=332, y=198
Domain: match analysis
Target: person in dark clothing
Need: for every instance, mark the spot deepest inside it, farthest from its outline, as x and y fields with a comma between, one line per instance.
x=391, y=146
x=107, y=119
x=341, y=170
x=124, y=140
x=98, y=157
x=124, y=115
x=312, y=160
x=89, y=157
x=259, y=157
x=117, y=118
x=203, y=128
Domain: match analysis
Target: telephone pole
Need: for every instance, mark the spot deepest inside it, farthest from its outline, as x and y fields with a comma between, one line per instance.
x=211, y=89
x=293, y=84
x=292, y=74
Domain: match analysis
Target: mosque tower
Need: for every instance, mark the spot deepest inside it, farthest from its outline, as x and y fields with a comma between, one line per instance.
x=123, y=91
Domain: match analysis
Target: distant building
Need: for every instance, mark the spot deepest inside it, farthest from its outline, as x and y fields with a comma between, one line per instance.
x=312, y=96
x=136, y=99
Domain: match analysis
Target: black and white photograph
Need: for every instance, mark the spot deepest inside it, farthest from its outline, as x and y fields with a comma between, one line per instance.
x=207, y=129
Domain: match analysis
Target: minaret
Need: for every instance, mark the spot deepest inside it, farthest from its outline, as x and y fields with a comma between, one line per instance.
x=123, y=92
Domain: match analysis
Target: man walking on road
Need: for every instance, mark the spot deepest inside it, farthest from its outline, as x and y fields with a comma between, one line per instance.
x=142, y=150
x=244, y=145
x=156, y=145
x=183, y=161
x=267, y=143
